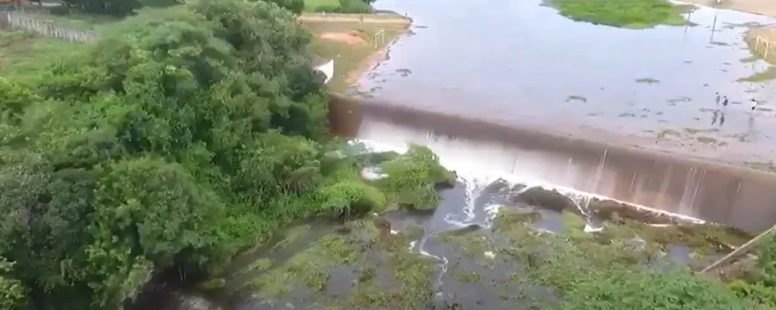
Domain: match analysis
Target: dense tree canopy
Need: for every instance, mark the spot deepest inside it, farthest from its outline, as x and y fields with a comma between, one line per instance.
x=129, y=7
x=178, y=139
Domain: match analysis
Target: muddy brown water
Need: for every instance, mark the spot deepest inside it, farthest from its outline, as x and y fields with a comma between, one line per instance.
x=714, y=192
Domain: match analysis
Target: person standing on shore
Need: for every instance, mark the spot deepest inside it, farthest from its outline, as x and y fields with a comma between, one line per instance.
x=724, y=102
x=754, y=105
x=716, y=98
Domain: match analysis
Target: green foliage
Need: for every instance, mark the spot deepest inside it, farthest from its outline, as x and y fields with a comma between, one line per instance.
x=628, y=14
x=106, y=7
x=295, y=6
x=14, y=99
x=354, y=6
x=757, y=292
x=605, y=270
x=160, y=3
x=650, y=289
x=352, y=196
x=12, y=293
x=767, y=261
x=413, y=177
x=182, y=137
x=340, y=6
x=759, y=283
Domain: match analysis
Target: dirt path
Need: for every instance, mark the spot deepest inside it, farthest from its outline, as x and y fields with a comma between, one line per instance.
x=762, y=7
x=355, y=18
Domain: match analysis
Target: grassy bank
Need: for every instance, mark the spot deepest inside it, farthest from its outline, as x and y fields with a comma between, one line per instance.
x=21, y=53
x=338, y=6
x=762, y=51
x=636, y=14
x=353, y=42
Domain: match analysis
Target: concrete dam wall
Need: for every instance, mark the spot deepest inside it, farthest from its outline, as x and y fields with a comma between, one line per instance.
x=710, y=191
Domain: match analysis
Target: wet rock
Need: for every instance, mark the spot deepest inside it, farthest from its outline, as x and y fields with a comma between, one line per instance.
x=442, y=301
x=548, y=199
x=185, y=301
x=497, y=186
x=517, y=188
x=465, y=230
x=610, y=210
x=373, y=159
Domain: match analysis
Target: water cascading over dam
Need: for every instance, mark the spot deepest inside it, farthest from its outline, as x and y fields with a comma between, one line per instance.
x=713, y=192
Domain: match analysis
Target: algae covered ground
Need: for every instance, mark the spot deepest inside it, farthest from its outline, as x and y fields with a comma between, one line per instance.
x=609, y=256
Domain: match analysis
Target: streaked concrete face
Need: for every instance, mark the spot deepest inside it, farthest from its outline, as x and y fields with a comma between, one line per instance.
x=713, y=192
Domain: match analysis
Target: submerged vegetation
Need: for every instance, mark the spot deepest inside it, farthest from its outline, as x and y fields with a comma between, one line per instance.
x=637, y=14
x=761, y=77
x=630, y=264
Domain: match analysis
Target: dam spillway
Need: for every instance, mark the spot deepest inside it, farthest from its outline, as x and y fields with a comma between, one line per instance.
x=709, y=191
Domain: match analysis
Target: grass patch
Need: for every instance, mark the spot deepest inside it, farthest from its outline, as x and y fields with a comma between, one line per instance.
x=352, y=45
x=23, y=53
x=762, y=76
x=310, y=268
x=318, y=5
x=635, y=14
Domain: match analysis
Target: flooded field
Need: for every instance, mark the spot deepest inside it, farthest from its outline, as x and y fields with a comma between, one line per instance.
x=519, y=61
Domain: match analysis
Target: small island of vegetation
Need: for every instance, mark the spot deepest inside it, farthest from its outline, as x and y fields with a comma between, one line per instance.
x=635, y=14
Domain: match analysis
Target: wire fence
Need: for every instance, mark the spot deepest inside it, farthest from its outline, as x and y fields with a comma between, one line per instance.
x=15, y=17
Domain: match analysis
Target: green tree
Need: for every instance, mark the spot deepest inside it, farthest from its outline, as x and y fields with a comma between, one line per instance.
x=181, y=137
x=106, y=7
x=140, y=147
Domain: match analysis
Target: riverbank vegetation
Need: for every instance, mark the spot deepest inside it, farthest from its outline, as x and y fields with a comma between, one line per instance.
x=636, y=262
x=175, y=141
x=186, y=137
x=339, y=6
x=636, y=14
x=761, y=50
x=355, y=45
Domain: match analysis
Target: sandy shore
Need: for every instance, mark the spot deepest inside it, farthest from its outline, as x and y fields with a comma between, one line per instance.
x=380, y=53
x=354, y=18
x=762, y=7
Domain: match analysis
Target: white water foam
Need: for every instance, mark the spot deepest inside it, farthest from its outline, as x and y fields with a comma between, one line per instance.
x=475, y=179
